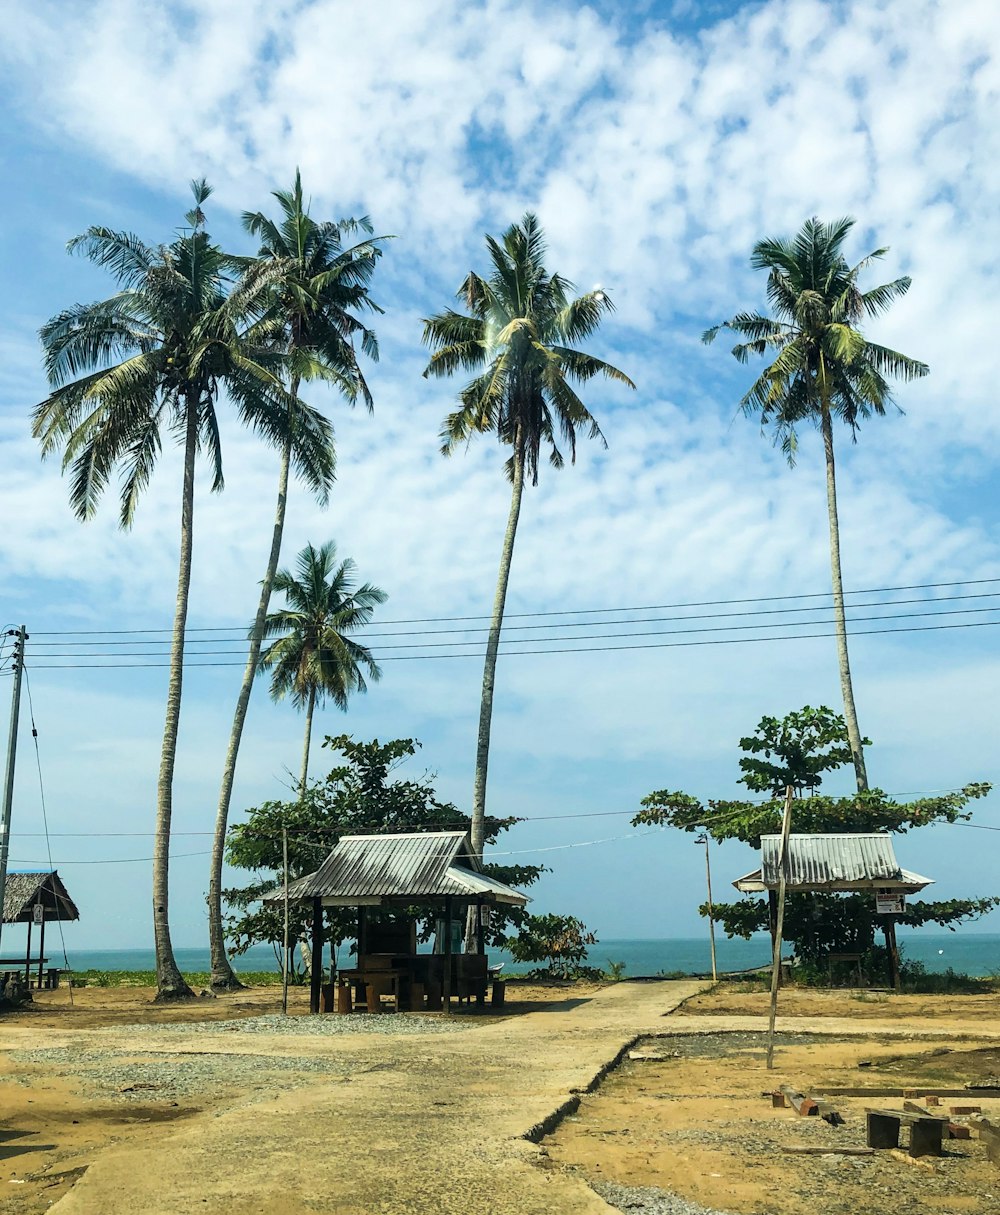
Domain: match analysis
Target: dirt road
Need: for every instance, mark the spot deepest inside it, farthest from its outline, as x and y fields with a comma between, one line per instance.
x=241, y=1121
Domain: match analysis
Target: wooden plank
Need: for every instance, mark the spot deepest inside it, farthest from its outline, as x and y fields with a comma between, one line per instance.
x=799, y=1102
x=796, y=1150
x=890, y=1091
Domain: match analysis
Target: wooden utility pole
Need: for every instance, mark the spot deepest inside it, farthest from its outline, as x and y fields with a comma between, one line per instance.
x=786, y=828
x=8, y=792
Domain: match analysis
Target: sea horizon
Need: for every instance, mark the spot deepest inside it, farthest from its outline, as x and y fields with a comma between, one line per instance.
x=973, y=953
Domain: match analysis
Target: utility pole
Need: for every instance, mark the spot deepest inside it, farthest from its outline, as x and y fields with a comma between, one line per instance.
x=8, y=794
x=703, y=839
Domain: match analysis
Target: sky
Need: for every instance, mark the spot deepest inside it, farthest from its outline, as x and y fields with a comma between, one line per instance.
x=656, y=142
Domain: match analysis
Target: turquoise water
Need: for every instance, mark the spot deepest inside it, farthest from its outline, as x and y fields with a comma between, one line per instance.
x=968, y=953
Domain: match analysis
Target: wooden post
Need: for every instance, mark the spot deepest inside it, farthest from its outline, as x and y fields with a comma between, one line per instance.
x=786, y=828
x=41, y=950
x=286, y=957
x=480, y=943
x=889, y=928
x=27, y=959
x=446, y=977
x=316, y=966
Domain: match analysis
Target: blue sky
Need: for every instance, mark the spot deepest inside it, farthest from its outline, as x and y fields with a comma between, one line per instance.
x=657, y=142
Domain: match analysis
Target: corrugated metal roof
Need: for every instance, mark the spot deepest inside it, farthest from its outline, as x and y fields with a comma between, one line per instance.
x=25, y=889
x=429, y=864
x=842, y=861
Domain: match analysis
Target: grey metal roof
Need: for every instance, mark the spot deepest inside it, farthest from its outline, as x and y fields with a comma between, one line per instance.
x=843, y=861
x=366, y=869
x=25, y=889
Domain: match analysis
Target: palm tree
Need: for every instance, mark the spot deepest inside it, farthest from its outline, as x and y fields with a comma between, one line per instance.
x=312, y=657
x=514, y=340
x=155, y=357
x=313, y=282
x=824, y=368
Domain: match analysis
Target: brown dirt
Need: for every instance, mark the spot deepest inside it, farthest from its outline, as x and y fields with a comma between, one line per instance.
x=697, y=1124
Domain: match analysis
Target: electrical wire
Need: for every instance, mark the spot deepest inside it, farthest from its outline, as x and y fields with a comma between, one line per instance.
x=99, y=665
x=876, y=590
x=45, y=819
x=371, y=634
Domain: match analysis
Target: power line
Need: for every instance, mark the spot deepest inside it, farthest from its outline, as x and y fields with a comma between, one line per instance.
x=369, y=635
x=512, y=641
x=656, y=607
x=585, y=649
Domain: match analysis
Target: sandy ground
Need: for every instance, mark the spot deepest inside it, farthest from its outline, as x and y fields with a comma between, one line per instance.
x=115, y=1104
x=696, y=1123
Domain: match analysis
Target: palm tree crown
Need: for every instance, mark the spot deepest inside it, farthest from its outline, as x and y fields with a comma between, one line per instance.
x=313, y=656
x=315, y=282
x=515, y=337
x=823, y=361
x=156, y=353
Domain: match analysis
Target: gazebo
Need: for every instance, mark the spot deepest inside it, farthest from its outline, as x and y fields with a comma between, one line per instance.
x=849, y=862
x=400, y=872
x=35, y=897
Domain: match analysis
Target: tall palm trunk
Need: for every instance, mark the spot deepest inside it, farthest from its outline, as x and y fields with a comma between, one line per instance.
x=170, y=983
x=492, y=646
x=311, y=704
x=850, y=712
x=223, y=976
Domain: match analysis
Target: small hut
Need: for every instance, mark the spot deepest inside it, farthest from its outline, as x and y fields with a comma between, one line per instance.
x=403, y=871
x=34, y=897
x=847, y=862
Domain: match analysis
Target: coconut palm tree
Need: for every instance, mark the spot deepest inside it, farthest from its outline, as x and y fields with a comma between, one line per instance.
x=315, y=283
x=156, y=357
x=514, y=339
x=824, y=367
x=312, y=657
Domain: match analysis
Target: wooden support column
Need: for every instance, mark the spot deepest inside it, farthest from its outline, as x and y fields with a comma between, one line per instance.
x=41, y=952
x=889, y=928
x=27, y=959
x=316, y=964
x=446, y=977
x=480, y=942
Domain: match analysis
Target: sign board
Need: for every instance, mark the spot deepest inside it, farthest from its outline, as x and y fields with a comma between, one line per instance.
x=38, y=914
x=889, y=902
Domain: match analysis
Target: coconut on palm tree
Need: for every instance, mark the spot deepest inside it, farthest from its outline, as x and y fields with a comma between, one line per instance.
x=157, y=357
x=514, y=339
x=314, y=284
x=312, y=657
x=824, y=368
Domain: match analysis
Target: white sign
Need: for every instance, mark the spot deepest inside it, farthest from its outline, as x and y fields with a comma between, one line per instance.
x=38, y=914
x=888, y=902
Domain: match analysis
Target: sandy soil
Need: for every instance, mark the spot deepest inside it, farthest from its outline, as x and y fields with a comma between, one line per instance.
x=696, y=1124
x=115, y=1096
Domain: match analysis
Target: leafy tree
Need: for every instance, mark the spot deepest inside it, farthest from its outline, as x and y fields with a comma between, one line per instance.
x=157, y=356
x=824, y=367
x=559, y=940
x=314, y=285
x=312, y=657
x=797, y=750
x=360, y=795
x=514, y=338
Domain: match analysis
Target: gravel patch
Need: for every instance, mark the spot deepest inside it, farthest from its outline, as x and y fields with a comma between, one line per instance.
x=648, y=1200
x=318, y=1027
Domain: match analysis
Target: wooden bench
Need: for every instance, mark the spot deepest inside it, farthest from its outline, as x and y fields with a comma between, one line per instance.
x=926, y=1132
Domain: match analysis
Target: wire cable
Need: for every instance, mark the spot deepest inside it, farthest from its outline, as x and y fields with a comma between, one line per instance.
x=45, y=822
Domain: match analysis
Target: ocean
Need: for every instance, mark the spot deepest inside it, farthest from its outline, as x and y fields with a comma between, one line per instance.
x=969, y=953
